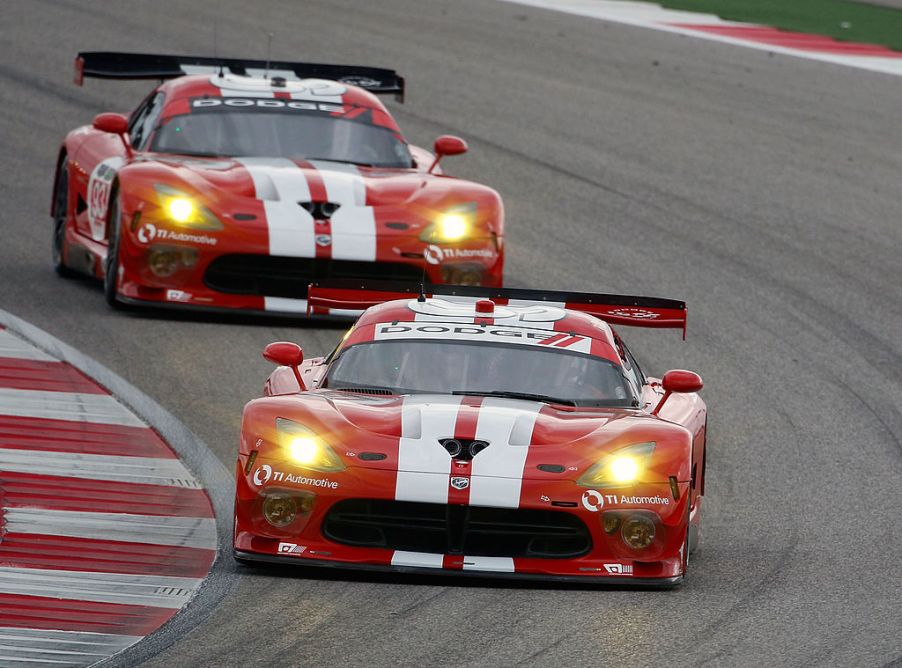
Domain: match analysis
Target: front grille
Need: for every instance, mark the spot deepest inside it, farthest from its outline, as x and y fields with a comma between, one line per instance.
x=277, y=276
x=451, y=529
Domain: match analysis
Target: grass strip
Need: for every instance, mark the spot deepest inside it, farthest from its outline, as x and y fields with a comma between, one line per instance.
x=842, y=19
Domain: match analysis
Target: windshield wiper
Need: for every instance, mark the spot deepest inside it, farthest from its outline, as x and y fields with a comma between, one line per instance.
x=518, y=395
x=344, y=162
x=363, y=389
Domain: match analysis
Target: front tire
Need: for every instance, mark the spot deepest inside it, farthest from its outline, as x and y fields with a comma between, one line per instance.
x=112, y=263
x=60, y=217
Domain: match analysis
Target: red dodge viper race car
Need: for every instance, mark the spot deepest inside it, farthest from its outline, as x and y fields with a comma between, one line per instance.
x=237, y=182
x=477, y=430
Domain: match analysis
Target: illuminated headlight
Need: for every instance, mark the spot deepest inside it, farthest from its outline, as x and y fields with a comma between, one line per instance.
x=622, y=467
x=451, y=225
x=305, y=449
x=182, y=209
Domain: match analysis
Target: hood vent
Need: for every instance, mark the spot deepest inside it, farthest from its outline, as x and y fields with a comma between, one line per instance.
x=320, y=210
x=463, y=449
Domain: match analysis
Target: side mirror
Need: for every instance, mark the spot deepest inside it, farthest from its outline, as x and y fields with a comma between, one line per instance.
x=285, y=353
x=116, y=124
x=447, y=145
x=678, y=380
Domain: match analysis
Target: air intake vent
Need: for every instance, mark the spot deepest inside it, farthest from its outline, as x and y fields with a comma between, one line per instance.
x=320, y=210
x=463, y=449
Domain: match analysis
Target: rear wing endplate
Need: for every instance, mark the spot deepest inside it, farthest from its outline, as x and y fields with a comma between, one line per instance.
x=625, y=310
x=118, y=65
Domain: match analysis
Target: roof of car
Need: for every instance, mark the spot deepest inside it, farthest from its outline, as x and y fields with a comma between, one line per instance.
x=545, y=324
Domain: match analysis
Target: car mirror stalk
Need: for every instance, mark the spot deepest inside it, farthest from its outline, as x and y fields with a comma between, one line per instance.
x=678, y=380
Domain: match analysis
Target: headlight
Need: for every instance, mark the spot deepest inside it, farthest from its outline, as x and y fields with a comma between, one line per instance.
x=305, y=449
x=621, y=467
x=451, y=225
x=184, y=210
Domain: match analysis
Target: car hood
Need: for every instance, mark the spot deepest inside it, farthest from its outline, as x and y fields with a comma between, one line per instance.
x=278, y=182
x=410, y=429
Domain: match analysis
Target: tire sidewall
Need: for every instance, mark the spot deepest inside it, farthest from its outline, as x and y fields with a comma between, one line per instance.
x=111, y=265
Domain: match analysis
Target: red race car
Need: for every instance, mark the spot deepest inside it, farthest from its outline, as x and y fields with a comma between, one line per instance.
x=235, y=183
x=486, y=431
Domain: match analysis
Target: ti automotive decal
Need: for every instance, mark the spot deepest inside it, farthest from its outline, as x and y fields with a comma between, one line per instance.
x=149, y=232
x=266, y=474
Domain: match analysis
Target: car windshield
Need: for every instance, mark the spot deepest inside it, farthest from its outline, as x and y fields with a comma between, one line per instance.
x=451, y=367
x=296, y=135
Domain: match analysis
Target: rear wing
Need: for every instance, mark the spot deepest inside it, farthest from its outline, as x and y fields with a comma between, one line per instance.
x=116, y=65
x=614, y=309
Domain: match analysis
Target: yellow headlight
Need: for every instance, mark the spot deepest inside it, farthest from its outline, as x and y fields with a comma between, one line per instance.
x=452, y=226
x=180, y=209
x=305, y=449
x=622, y=467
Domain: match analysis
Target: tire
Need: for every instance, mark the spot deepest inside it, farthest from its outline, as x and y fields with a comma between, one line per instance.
x=111, y=265
x=60, y=214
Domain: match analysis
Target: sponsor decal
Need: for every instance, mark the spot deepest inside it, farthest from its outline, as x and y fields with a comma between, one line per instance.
x=638, y=313
x=619, y=569
x=363, y=82
x=149, y=232
x=460, y=482
x=323, y=240
x=593, y=501
x=433, y=254
x=545, y=498
x=217, y=103
x=624, y=500
x=262, y=474
x=178, y=296
x=291, y=548
x=265, y=473
x=436, y=254
x=482, y=333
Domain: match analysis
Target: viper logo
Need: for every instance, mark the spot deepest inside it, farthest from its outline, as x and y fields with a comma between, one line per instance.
x=460, y=482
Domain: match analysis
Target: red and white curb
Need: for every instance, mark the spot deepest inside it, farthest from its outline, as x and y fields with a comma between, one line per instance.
x=104, y=533
x=707, y=26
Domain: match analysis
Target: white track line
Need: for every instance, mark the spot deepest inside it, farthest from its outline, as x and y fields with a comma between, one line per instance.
x=648, y=15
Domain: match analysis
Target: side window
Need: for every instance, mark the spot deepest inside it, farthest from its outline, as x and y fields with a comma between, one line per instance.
x=630, y=368
x=144, y=120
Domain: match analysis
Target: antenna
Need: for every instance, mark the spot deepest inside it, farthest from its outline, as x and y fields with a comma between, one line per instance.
x=268, y=54
x=216, y=37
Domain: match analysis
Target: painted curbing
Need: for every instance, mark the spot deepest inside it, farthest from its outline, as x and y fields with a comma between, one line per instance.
x=201, y=462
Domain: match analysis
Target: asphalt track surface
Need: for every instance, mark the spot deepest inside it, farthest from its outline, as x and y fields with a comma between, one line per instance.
x=762, y=190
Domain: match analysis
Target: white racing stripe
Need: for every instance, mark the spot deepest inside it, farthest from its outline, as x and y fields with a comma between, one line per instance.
x=280, y=184
x=497, y=476
x=420, y=559
x=155, y=529
x=354, y=224
x=494, y=564
x=144, y=470
x=423, y=464
x=151, y=590
x=73, y=406
x=14, y=347
x=26, y=647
